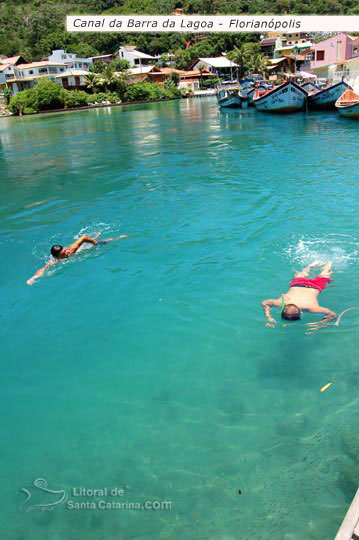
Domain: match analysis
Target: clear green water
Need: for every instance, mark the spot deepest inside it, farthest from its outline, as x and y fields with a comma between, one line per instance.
x=145, y=364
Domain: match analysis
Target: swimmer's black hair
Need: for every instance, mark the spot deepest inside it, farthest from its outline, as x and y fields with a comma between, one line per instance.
x=56, y=250
x=291, y=312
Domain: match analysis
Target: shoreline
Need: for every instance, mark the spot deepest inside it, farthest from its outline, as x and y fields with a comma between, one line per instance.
x=87, y=107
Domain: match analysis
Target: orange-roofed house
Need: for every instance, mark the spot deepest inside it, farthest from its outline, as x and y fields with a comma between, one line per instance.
x=188, y=80
x=13, y=60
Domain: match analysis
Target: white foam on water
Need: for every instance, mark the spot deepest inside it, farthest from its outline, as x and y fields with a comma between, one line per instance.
x=342, y=250
x=94, y=229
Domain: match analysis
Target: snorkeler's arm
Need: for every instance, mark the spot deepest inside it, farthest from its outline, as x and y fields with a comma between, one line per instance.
x=329, y=314
x=75, y=246
x=40, y=272
x=268, y=304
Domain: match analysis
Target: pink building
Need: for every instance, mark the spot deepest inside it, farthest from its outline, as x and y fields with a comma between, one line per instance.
x=333, y=50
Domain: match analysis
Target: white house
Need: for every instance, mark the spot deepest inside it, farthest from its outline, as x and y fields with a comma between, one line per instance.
x=6, y=72
x=26, y=75
x=135, y=58
x=70, y=60
x=71, y=79
x=220, y=66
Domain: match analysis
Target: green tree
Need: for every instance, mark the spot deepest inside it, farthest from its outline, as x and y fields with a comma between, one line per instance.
x=239, y=56
x=108, y=78
x=47, y=95
x=92, y=81
x=201, y=69
x=120, y=65
x=7, y=94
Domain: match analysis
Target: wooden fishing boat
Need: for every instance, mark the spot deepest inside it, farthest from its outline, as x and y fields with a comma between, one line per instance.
x=326, y=98
x=230, y=96
x=348, y=104
x=285, y=98
x=262, y=89
x=310, y=87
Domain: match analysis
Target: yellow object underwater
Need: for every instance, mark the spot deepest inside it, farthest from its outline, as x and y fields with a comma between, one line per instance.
x=323, y=388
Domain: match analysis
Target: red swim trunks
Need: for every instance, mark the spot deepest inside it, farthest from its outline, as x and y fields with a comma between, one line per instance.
x=318, y=282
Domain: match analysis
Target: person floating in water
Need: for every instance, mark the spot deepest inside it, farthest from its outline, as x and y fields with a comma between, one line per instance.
x=302, y=295
x=59, y=252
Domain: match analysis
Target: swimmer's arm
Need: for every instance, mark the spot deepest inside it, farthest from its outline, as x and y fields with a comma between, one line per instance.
x=329, y=314
x=75, y=246
x=268, y=304
x=40, y=272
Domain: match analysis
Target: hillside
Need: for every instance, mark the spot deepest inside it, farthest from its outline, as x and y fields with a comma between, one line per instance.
x=33, y=28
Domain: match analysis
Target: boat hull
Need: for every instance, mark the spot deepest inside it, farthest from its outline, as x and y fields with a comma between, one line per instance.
x=325, y=99
x=349, y=111
x=230, y=101
x=286, y=98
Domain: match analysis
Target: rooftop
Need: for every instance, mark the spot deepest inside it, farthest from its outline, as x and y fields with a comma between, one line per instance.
x=218, y=62
x=44, y=63
x=11, y=60
x=72, y=73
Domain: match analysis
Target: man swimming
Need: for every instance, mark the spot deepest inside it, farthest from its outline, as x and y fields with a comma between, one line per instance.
x=302, y=295
x=59, y=252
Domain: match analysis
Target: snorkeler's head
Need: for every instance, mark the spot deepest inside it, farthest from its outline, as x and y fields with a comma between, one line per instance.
x=56, y=251
x=291, y=312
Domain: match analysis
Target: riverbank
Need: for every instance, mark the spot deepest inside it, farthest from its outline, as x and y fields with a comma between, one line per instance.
x=84, y=108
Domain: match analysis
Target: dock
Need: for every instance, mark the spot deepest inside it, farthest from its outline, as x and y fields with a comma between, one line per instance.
x=349, y=529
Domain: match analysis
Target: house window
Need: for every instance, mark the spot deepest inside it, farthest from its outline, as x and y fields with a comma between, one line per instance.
x=77, y=81
x=121, y=54
x=61, y=69
x=137, y=61
x=42, y=70
x=31, y=72
x=65, y=81
x=52, y=69
x=320, y=55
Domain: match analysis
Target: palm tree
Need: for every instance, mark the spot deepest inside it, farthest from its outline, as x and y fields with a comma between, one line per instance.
x=258, y=63
x=239, y=57
x=108, y=78
x=91, y=81
x=201, y=69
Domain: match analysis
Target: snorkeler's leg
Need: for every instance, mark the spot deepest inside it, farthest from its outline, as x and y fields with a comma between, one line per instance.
x=306, y=271
x=327, y=270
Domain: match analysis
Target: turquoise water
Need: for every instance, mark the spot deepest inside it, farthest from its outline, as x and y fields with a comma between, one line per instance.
x=145, y=364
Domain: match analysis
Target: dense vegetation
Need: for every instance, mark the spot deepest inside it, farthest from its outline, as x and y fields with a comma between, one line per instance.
x=35, y=27
x=47, y=95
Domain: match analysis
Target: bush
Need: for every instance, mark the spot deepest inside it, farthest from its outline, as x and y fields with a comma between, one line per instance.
x=210, y=82
x=74, y=98
x=144, y=91
x=7, y=95
x=48, y=95
x=22, y=101
x=107, y=96
x=29, y=110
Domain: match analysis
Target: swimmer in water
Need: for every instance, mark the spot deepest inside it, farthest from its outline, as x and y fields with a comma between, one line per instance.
x=302, y=296
x=59, y=252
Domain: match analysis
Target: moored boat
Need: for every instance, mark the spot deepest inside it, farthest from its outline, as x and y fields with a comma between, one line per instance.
x=310, y=87
x=288, y=97
x=230, y=96
x=326, y=98
x=348, y=104
x=250, y=94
